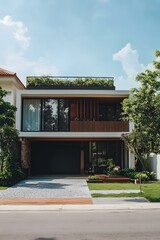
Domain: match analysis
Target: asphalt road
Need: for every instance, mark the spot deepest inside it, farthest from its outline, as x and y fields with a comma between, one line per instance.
x=129, y=225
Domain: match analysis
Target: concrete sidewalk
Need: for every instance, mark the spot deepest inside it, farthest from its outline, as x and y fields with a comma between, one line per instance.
x=85, y=207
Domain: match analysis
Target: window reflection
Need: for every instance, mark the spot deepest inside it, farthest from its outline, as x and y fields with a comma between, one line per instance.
x=31, y=114
x=50, y=115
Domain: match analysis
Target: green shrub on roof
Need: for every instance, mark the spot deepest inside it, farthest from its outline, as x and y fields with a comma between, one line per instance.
x=76, y=82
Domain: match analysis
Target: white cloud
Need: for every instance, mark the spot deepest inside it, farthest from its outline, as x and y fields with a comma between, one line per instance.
x=129, y=59
x=17, y=61
x=18, y=30
x=24, y=67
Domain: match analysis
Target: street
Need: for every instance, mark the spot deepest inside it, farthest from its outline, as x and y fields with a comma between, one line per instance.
x=60, y=225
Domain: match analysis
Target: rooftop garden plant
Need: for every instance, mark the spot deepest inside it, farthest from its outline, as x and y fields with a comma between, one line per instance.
x=70, y=82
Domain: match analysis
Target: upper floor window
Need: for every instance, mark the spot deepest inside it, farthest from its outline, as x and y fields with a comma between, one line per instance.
x=31, y=114
x=110, y=112
x=45, y=115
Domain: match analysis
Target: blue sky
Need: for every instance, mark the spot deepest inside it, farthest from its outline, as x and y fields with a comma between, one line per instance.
x=79, y=38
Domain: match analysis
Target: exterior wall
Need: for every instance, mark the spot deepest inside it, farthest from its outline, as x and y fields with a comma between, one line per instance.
x=64, y=94
x=11, y=86
x=25, y=155
x=154, y=164
x=11, y=95
x=73, y=135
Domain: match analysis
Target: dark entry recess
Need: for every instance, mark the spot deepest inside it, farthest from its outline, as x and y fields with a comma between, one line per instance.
x=55, y=157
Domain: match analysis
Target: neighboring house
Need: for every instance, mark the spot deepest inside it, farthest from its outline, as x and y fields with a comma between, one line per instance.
x=11, y=83
x=71, y=131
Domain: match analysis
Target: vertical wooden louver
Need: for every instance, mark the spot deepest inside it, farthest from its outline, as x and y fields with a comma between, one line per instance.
x=84, y=109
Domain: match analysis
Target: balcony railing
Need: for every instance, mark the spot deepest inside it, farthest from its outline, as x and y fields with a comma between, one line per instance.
x=99, y=126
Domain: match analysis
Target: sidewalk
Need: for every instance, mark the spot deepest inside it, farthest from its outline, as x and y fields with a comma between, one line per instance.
x=84, y=207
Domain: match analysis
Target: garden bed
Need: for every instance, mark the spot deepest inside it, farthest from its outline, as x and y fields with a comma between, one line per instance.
x=101, y=178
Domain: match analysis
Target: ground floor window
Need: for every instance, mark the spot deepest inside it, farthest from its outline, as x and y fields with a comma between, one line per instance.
x=101, y=152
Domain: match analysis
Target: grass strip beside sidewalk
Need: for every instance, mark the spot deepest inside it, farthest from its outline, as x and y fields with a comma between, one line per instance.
x=3, y=188
x=151, y=191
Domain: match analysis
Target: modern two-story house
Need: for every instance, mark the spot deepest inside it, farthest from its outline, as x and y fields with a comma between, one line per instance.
x=71, y=129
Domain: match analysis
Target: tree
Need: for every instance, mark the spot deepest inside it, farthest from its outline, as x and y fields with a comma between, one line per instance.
x=10, y=171
x=143, y=109
x=7, y=110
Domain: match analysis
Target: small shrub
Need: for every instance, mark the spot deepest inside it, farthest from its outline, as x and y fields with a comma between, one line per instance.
x=143, y=176
x=110, y=164
x=112, y=172
x=151, y=175
x=128, y=172
x=93, y=177
x=132, y=173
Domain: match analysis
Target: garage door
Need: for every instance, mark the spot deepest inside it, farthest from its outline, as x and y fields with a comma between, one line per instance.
x=55, y=158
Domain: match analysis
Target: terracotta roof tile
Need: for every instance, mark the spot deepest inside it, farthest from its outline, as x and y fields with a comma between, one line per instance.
x=4, y=72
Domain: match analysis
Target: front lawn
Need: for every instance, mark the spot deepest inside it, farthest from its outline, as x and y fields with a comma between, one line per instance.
x=3, y=188
x=112, y=186
x=151, y=191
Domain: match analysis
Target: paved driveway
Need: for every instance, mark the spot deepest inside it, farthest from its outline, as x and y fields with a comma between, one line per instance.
x=49, y=187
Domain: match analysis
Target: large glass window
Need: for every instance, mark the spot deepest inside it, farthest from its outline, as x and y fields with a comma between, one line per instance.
x=110, y=112
x=31, y=114
x=50, y=115
x=63, y=115
x=101, y=152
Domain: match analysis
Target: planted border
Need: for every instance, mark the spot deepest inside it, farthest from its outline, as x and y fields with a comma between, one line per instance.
x=70, y=83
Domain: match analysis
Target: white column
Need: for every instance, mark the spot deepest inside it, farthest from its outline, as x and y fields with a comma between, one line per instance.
x=131, y=160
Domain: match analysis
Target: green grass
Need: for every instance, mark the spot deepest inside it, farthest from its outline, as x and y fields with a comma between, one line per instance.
x=96, y=195
x=151, y=191
x=113, y=186
x=3, y=188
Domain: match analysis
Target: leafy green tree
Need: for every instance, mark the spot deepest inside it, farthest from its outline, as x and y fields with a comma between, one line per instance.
x=143, y=109
x=7, y=110
x=10, y=171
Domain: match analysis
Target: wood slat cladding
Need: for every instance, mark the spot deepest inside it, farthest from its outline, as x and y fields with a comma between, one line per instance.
x=99, y=126
x=84, y=109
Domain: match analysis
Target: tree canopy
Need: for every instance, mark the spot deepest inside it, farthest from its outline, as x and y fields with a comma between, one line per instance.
x=143, y=109
x=7, y=110
x=10, y=171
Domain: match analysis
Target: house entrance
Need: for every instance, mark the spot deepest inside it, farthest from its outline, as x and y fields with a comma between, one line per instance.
x=101, y=152
x=49, y=157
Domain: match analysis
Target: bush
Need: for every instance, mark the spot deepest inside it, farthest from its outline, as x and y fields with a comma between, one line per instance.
x=93, y=177
x=146, y=176
x=143, y=176
x=9, y=178
x=128, y=172
x=132, y=173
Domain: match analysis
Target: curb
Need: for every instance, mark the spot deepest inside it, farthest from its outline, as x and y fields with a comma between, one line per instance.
x=84, y=207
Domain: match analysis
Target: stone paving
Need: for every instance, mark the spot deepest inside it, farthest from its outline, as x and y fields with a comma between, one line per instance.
x=49, y=187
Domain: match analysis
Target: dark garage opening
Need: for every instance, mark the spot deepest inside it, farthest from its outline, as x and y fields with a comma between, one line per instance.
x=55, y=157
